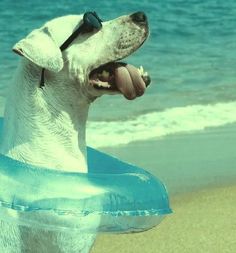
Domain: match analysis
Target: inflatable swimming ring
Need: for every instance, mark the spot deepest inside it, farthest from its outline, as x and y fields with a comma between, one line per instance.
x=123, y=197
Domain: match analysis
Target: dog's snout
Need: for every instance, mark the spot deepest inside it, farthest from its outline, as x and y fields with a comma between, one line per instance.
x=139, y=17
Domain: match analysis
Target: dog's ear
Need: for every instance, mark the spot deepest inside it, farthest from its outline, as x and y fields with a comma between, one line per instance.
x=40, y=48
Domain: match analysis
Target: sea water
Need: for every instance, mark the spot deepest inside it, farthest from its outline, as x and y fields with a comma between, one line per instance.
x=190, y=56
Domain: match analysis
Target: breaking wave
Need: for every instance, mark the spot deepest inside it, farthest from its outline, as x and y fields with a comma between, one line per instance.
x=159, y=124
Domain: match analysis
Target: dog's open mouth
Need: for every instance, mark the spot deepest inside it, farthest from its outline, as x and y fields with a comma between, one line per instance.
x=121, y=77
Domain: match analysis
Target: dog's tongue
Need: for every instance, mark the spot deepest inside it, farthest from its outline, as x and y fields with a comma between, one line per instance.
x=129, y=81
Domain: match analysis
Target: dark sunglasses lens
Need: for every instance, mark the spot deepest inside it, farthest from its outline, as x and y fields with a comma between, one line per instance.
x=92, y=20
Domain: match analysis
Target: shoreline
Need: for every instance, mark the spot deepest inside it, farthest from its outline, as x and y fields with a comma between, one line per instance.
x=186, y=162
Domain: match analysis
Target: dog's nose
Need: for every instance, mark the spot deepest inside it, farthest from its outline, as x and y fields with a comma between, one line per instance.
x=139, y=17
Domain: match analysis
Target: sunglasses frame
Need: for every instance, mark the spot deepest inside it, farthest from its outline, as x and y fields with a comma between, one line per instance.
x=91, y=21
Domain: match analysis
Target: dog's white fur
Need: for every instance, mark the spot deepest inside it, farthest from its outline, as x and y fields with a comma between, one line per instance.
x=46, y=127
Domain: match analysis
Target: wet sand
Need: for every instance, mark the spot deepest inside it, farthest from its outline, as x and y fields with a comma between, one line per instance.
x=186, y=162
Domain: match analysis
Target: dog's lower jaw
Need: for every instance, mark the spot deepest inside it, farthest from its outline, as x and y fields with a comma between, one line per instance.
x=40, y=129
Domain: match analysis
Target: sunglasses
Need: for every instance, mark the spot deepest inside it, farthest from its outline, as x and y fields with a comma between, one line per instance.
x=91, y=22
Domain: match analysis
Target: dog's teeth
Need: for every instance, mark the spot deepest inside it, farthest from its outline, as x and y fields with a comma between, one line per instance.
x=141, y=71
x=145, y=74
x=106, y=85
x=103, y=84
x=105, y=74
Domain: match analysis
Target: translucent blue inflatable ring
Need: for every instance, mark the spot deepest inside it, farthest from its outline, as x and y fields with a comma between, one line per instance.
x=113, y=197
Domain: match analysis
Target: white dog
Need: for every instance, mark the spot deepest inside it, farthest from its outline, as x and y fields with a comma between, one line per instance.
x=45, y=126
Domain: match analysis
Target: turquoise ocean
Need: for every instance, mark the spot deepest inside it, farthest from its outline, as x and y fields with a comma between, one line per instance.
x=190, y=56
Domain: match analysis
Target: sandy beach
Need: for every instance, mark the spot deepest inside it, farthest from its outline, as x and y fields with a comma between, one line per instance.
x=202, y=222
x=199, y=170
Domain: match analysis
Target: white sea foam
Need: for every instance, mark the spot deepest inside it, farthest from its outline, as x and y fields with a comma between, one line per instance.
x=160, y=124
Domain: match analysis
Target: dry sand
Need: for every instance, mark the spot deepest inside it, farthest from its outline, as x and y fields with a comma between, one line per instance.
x=202, y=222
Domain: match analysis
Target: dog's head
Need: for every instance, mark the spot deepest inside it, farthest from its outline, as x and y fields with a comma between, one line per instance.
x=91, y=62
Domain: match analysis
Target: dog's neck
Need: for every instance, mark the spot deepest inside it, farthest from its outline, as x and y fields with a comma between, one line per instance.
x=45, y=127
